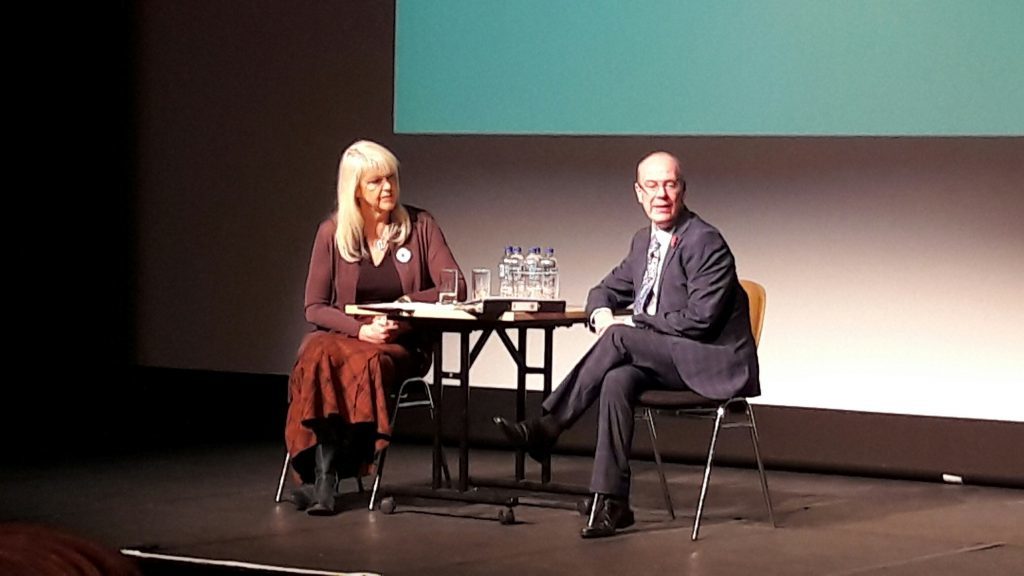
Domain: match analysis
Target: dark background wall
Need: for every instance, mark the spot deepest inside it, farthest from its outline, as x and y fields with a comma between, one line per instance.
x=892, y=264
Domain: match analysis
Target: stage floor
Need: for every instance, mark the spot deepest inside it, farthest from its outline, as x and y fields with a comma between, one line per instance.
x=216, y=503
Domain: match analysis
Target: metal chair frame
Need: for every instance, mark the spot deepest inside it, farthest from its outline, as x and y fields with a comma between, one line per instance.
x=402, y=400
x=720, y=414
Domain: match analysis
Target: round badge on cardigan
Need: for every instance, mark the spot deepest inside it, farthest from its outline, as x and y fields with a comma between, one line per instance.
x=403, y=255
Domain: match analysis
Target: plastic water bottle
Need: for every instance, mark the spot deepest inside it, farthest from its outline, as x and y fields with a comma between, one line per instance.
x=506, y=288
x=531, y=269
x=549, y=275
x=515, y=271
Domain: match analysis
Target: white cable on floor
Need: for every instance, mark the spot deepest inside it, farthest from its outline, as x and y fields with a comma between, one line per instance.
x=237, y=564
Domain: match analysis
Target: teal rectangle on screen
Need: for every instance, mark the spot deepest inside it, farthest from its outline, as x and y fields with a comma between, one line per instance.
x=726, y=67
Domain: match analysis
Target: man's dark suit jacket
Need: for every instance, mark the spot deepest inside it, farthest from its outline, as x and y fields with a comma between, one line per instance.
x=702, y=309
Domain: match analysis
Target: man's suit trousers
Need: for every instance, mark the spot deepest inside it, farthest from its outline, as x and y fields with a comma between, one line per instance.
x=623, y=362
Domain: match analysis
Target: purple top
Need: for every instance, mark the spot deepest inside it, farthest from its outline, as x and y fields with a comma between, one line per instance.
x=378, y=283
x=332, y=282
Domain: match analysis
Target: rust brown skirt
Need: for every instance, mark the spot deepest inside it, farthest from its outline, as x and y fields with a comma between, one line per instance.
x=337, y=376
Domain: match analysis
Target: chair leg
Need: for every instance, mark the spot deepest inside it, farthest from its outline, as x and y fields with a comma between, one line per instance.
x=284, y=474
x=760, y=465
x=378, y=474
x=720, y=413
x=591, y=516
x=445, y=473
x=359, y=484
x=382, y=455
x=648, y=415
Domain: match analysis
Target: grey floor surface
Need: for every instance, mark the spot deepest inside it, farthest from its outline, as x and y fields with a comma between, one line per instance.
x=217, y=503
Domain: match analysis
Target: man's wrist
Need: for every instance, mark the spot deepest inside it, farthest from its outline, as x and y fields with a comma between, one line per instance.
x=593, y=316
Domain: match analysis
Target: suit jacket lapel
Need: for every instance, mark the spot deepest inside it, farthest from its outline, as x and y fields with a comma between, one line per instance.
x=677, y=239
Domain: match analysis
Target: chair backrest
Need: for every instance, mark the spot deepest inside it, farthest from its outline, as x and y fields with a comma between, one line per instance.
x=756, y=295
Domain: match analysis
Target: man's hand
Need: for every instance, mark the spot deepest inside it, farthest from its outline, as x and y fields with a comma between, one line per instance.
x=601, y=319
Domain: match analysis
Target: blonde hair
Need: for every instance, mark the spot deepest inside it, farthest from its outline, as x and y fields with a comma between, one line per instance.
x=359, y=158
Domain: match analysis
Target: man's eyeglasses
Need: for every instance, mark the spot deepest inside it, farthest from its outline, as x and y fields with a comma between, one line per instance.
x=669, y=186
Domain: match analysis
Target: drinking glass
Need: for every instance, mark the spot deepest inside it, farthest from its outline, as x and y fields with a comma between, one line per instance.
x=448, y=290
x=481, y=283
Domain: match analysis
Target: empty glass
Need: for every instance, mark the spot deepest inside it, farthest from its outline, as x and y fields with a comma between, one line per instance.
x=448, y=288
x=481, y=283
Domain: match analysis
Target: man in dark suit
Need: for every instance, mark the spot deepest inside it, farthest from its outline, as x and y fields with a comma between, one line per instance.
x=689, y=330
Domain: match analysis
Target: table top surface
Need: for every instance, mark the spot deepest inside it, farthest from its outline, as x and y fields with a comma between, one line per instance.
x=468, y=314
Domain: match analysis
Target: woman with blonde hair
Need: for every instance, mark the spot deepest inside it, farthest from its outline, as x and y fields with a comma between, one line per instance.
x=371, y=249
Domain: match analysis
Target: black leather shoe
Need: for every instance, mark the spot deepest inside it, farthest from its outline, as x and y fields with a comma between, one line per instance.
x=583, y=506
x=612, y=514
x=528, y=436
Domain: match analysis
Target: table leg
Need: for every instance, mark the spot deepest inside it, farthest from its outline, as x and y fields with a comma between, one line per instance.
x=545, y=467
x=464, y=435
x=438, y=394
x=521, y=371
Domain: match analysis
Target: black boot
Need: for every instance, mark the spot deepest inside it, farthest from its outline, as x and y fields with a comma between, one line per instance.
x=303, y=496
x=326, y=488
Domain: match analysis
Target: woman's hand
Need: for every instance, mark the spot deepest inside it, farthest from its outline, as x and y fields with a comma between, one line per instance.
x=381, y=330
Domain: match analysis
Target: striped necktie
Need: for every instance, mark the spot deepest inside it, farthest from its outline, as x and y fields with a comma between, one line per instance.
x=650, y=275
